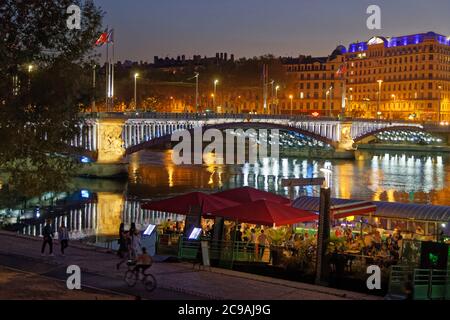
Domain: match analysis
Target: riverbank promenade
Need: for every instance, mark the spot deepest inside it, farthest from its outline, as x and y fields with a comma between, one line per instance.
x=20, y=257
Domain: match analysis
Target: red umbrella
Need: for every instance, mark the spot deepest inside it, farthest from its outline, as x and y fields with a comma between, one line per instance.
x=266, y=213
x=247, y=194
x=183, y=204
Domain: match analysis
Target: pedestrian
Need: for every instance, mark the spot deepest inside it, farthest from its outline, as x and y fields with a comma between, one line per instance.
x=48, y=234
x=135, y=244
x=63, y=236
x=122, y=241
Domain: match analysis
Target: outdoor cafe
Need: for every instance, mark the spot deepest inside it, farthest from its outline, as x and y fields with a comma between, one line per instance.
x=250, y=226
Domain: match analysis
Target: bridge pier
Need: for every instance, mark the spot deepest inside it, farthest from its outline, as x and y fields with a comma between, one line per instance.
x=345, y=148
x=111, y=149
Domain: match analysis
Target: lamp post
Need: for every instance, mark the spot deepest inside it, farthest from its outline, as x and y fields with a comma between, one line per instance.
x=93, y=88
x=331, y=100
x=439, y=106
x=380, y=82
x=196, y=91
x=326, y=100
x=323, y=232
x=216, y=82
x=277, y=88
x=136, y=75
x=30, y=70
x=291, y=97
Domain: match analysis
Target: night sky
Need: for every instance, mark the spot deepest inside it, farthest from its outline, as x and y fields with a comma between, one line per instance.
x=145, y=28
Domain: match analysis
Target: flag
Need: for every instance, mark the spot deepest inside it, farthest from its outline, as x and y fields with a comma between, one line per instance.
x=342, y=70
x=110, y=36
x=102, y=39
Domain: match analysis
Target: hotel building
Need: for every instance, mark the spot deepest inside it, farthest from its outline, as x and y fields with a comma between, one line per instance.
x=406, y=77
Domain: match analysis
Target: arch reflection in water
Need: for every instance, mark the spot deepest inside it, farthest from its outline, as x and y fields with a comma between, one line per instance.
x=103, y=218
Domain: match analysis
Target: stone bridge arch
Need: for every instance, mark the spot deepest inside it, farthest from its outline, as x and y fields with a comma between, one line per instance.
x=166, y=139
x=371, y=136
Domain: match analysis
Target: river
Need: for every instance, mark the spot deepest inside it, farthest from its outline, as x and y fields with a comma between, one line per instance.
x=391, y=176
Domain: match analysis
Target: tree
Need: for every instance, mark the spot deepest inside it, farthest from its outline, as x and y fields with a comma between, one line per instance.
x=44, y=83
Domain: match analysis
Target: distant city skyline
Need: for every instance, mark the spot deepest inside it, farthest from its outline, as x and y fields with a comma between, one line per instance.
x=145, y=29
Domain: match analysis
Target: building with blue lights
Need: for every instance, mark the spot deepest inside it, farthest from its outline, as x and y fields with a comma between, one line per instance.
x=405, y=77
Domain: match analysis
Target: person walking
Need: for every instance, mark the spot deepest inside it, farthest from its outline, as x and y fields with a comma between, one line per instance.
x=48, y=234
x=63, y=236
x=135, y=245
x=122, y=241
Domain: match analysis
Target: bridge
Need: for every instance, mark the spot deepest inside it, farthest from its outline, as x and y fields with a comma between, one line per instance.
x=112, y=136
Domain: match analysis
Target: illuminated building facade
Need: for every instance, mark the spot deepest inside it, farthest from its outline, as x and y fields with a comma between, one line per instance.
x=406, y=77
x=318, y=89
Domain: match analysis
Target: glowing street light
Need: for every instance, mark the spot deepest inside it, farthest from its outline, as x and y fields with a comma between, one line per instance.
x=291, y=97
x=439, y=107
x=216, y=82
x=136, y=75
x=380, y=82
x=327, y=174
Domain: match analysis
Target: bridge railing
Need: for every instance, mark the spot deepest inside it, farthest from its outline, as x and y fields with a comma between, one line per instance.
x=202, y=116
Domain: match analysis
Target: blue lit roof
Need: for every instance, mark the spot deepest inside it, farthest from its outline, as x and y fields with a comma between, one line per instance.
x=401, y=41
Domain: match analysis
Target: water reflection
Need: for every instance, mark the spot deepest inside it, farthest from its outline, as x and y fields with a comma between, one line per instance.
x=402, y=177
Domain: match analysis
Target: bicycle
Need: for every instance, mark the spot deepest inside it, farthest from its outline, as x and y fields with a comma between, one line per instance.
x=132, y=276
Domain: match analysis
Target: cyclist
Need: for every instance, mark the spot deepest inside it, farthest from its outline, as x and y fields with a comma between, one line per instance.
x=143, y=262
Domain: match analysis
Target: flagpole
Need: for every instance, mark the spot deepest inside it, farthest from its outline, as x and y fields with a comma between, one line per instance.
x=113, y=66
x=107, y=74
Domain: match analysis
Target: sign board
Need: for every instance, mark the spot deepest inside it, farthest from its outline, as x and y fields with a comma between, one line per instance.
x=302, y=182
x=193, y=220
x=205, y=253
x=148, y=240
x=195, y=234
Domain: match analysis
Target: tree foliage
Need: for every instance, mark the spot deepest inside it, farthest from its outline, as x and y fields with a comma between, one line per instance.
x=44, y=82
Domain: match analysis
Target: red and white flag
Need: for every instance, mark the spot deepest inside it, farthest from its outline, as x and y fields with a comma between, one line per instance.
x=102, y=39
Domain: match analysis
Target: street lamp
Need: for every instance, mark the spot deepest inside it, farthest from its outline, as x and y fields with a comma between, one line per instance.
x=277, y=88
x=291, y=97
x=330, y=92
x=439, y=107
x=136, y=75
x=216, y=82
x=326, y=100
x=30, y=69
x=380, y=82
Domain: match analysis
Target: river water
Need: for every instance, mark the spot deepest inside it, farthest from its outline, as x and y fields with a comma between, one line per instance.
x=383, y=176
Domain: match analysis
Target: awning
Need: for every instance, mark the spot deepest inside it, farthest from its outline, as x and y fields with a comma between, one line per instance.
x=185, y=204
x=248, y=194
x=340, y=208
x=353, y=209
x=394, y=210
x=267, y=213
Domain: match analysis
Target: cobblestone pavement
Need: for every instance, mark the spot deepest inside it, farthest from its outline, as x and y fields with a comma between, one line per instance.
x=175, y=280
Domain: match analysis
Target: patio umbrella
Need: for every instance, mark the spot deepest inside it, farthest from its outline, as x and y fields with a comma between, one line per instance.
x=183, y=204
x=248, y=194
x=267, y=213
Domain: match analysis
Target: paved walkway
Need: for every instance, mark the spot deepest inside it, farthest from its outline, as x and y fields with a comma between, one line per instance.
x=175, y=280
